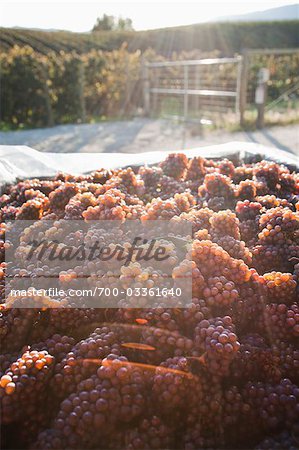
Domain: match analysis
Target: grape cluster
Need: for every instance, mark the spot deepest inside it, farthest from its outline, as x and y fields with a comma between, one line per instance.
x=282, y=441
x=217, y=185
x=218, y=343
x=166, y=209
x=24, y=384
x=219, y=371
x=59, y=198
x=82, y=360
x=246, y=190
x=235, y=248
x=150, y=433
x=225, y=223
x=281, y=287
x=175, y=165
x=174, y=386
x=78, y=204
x=282, y=320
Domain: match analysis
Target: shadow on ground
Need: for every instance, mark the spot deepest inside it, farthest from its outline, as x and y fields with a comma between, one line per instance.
x=141, y=135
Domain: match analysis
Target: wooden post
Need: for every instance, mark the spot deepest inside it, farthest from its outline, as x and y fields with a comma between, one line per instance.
x=81, y=91
x=146, y=88
x=186, y=85
x=238, y=87
x=242, y=95
x=261, y=96
x=197, y=86
x=154, y=103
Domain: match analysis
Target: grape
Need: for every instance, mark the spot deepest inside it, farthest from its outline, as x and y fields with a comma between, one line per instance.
x=283, y=441
x=278, y=226
x=175, y=165
x=114, y=394
x=15, y=326
x=218, y=185
x=220, y=292
x=150, y=433
x=218, y=343
x=57, y=346
x=166, y=209
x=219, y=371
x=242, y=173
x=173, y=384
x=282, y=321
x=235, y=248
x=78, y=204
x=83, y=359
x=255, y=361
x=246, y=190
x=196, y=169
x=217, y=203
x=212, y=260
x=225, y=223
x=24, y=384
x=281, y=287
x=60, y=197
x=248, y=210
x=226, y=167
x=267, y=171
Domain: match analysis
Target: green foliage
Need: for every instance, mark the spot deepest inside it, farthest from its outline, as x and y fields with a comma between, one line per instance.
x=104, y=23
x=228, y=38
x=25, y=98
x=110, y=23
x=67, y=84
x=284, y=73
x=38, y=90
x=94, y=86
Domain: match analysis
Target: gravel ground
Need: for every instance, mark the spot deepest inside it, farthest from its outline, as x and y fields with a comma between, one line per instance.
x=140, y=135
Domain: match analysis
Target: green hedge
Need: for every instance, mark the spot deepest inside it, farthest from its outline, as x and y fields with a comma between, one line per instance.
x=38, y=90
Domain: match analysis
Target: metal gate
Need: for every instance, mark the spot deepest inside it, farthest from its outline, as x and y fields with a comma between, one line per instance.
x=193, y=90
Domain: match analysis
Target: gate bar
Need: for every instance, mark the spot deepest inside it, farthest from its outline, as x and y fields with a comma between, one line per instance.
x=202, y=92
x=194, y=62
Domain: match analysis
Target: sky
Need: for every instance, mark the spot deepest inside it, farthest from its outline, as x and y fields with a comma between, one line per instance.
x=80, y=16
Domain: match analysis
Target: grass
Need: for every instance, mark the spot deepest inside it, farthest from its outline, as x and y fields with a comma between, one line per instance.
x=284, y=113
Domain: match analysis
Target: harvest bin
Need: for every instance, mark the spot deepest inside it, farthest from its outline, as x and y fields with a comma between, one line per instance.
x=211, y=364
x=20, y=162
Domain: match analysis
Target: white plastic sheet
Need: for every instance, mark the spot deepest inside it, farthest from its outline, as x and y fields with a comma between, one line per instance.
x=20, y=162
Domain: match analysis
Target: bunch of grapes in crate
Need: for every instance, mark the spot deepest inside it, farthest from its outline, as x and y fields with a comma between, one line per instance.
x=220, y=372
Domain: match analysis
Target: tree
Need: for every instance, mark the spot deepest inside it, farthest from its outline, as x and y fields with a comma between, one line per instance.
x=104, y=23
x=125, y=24
x=110, y=23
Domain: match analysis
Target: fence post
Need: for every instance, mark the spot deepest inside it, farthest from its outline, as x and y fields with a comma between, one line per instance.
x=261, y=95
x=197, y=86
x=238, y=87
x=81, y=91
x=242, y=95
x=146, y=87
x=186, y=84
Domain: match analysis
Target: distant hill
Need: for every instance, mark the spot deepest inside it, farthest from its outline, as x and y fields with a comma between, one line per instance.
x=227, y=37
x=288, y=12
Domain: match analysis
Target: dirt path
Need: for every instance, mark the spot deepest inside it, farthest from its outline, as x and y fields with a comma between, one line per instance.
x=140, y=135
